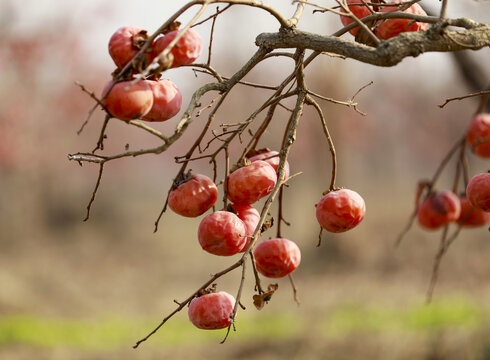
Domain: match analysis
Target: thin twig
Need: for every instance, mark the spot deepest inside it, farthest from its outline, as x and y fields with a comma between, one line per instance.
x=148, y=129
x=102, y=135
x=361, y=24
x=94, y=192
x=320, y=237
x=445, y=161
x=213, y=16
x=295, y=290
x=211, y=35
x=437, y=263
x=331, y=146
x=98, y=102
x=442, y=14
x=237, y=302
x=258, y=285
x=480, y=93
x=186, y=301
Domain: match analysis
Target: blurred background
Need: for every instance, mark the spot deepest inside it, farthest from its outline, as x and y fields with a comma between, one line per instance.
x=89, y=290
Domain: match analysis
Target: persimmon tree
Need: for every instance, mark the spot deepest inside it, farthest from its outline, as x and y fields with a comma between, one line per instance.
x=385, y=33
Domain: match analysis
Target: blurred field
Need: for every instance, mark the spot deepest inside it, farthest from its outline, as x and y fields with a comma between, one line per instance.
x=454, y=326
x=73, y=290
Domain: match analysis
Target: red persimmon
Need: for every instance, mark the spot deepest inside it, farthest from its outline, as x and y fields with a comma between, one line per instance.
x=340, y=210
x=167, y=100
x=439, y=209
x=250, y=217
x=212, y=311
x=250, y=183
x=478, y=135
x=222, y=233
x=193, y=197
x=470, y=215
x=478, y=191
x=185, y=52
x=121, y=44
x=126, y=101
x=276, y=258
x=360, y=11
x=392, y=27
x=272, y=158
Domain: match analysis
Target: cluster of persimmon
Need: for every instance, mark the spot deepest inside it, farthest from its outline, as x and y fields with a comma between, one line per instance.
x=387, y=28
x=472, y=208
x=228, y=232
x=150, y=99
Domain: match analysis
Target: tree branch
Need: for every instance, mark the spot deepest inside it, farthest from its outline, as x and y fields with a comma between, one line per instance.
x=389, y=52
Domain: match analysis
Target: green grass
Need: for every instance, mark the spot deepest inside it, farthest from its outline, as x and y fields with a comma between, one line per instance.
x=110, y=333
x=456, y=314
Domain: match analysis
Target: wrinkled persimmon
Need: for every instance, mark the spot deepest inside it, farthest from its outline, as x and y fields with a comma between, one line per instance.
x=272, y=158
x=471, y=216
x=276, y=258
x=340, y=210
x=439, y=209
x=186, y=50
x=128, y=101
x=167, y=100
x=250, y=183
x=122, y=45
x=222, y=233
x=478, y=191
x=250, y=217
x=194, y=196
x=478, y=135
x=211, y=311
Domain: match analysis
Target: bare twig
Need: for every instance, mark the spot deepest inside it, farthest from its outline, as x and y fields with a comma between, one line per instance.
x=148, y=129
x=91, y=111
x=361, y=24
x=258, y=285
x=442, y=14
x=295, y=290
x=320, y=237
x=480, y=93
x=188, y=300
x=102, y=135
x=94, y=193
x=329, y=140
x=443, y=248
x=461, y=142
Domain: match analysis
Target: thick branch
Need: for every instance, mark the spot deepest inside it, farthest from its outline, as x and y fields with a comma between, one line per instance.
x=389, y=52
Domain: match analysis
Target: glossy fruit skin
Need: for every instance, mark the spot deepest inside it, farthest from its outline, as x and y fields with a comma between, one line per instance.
x=193, y=197
x=340, y=210
x=250, y=183
x=121, y=46
x=439, y=209
x=360, y=11
x=128, y=104
x=211, y=311
x=478, y=191
x=392, y=27
x=478, y=131
x=167, y=100
x=471, y=216
x=250, y=217
x=276, y=258
x=221, y=233
x=185, y=52
x=273, y=161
